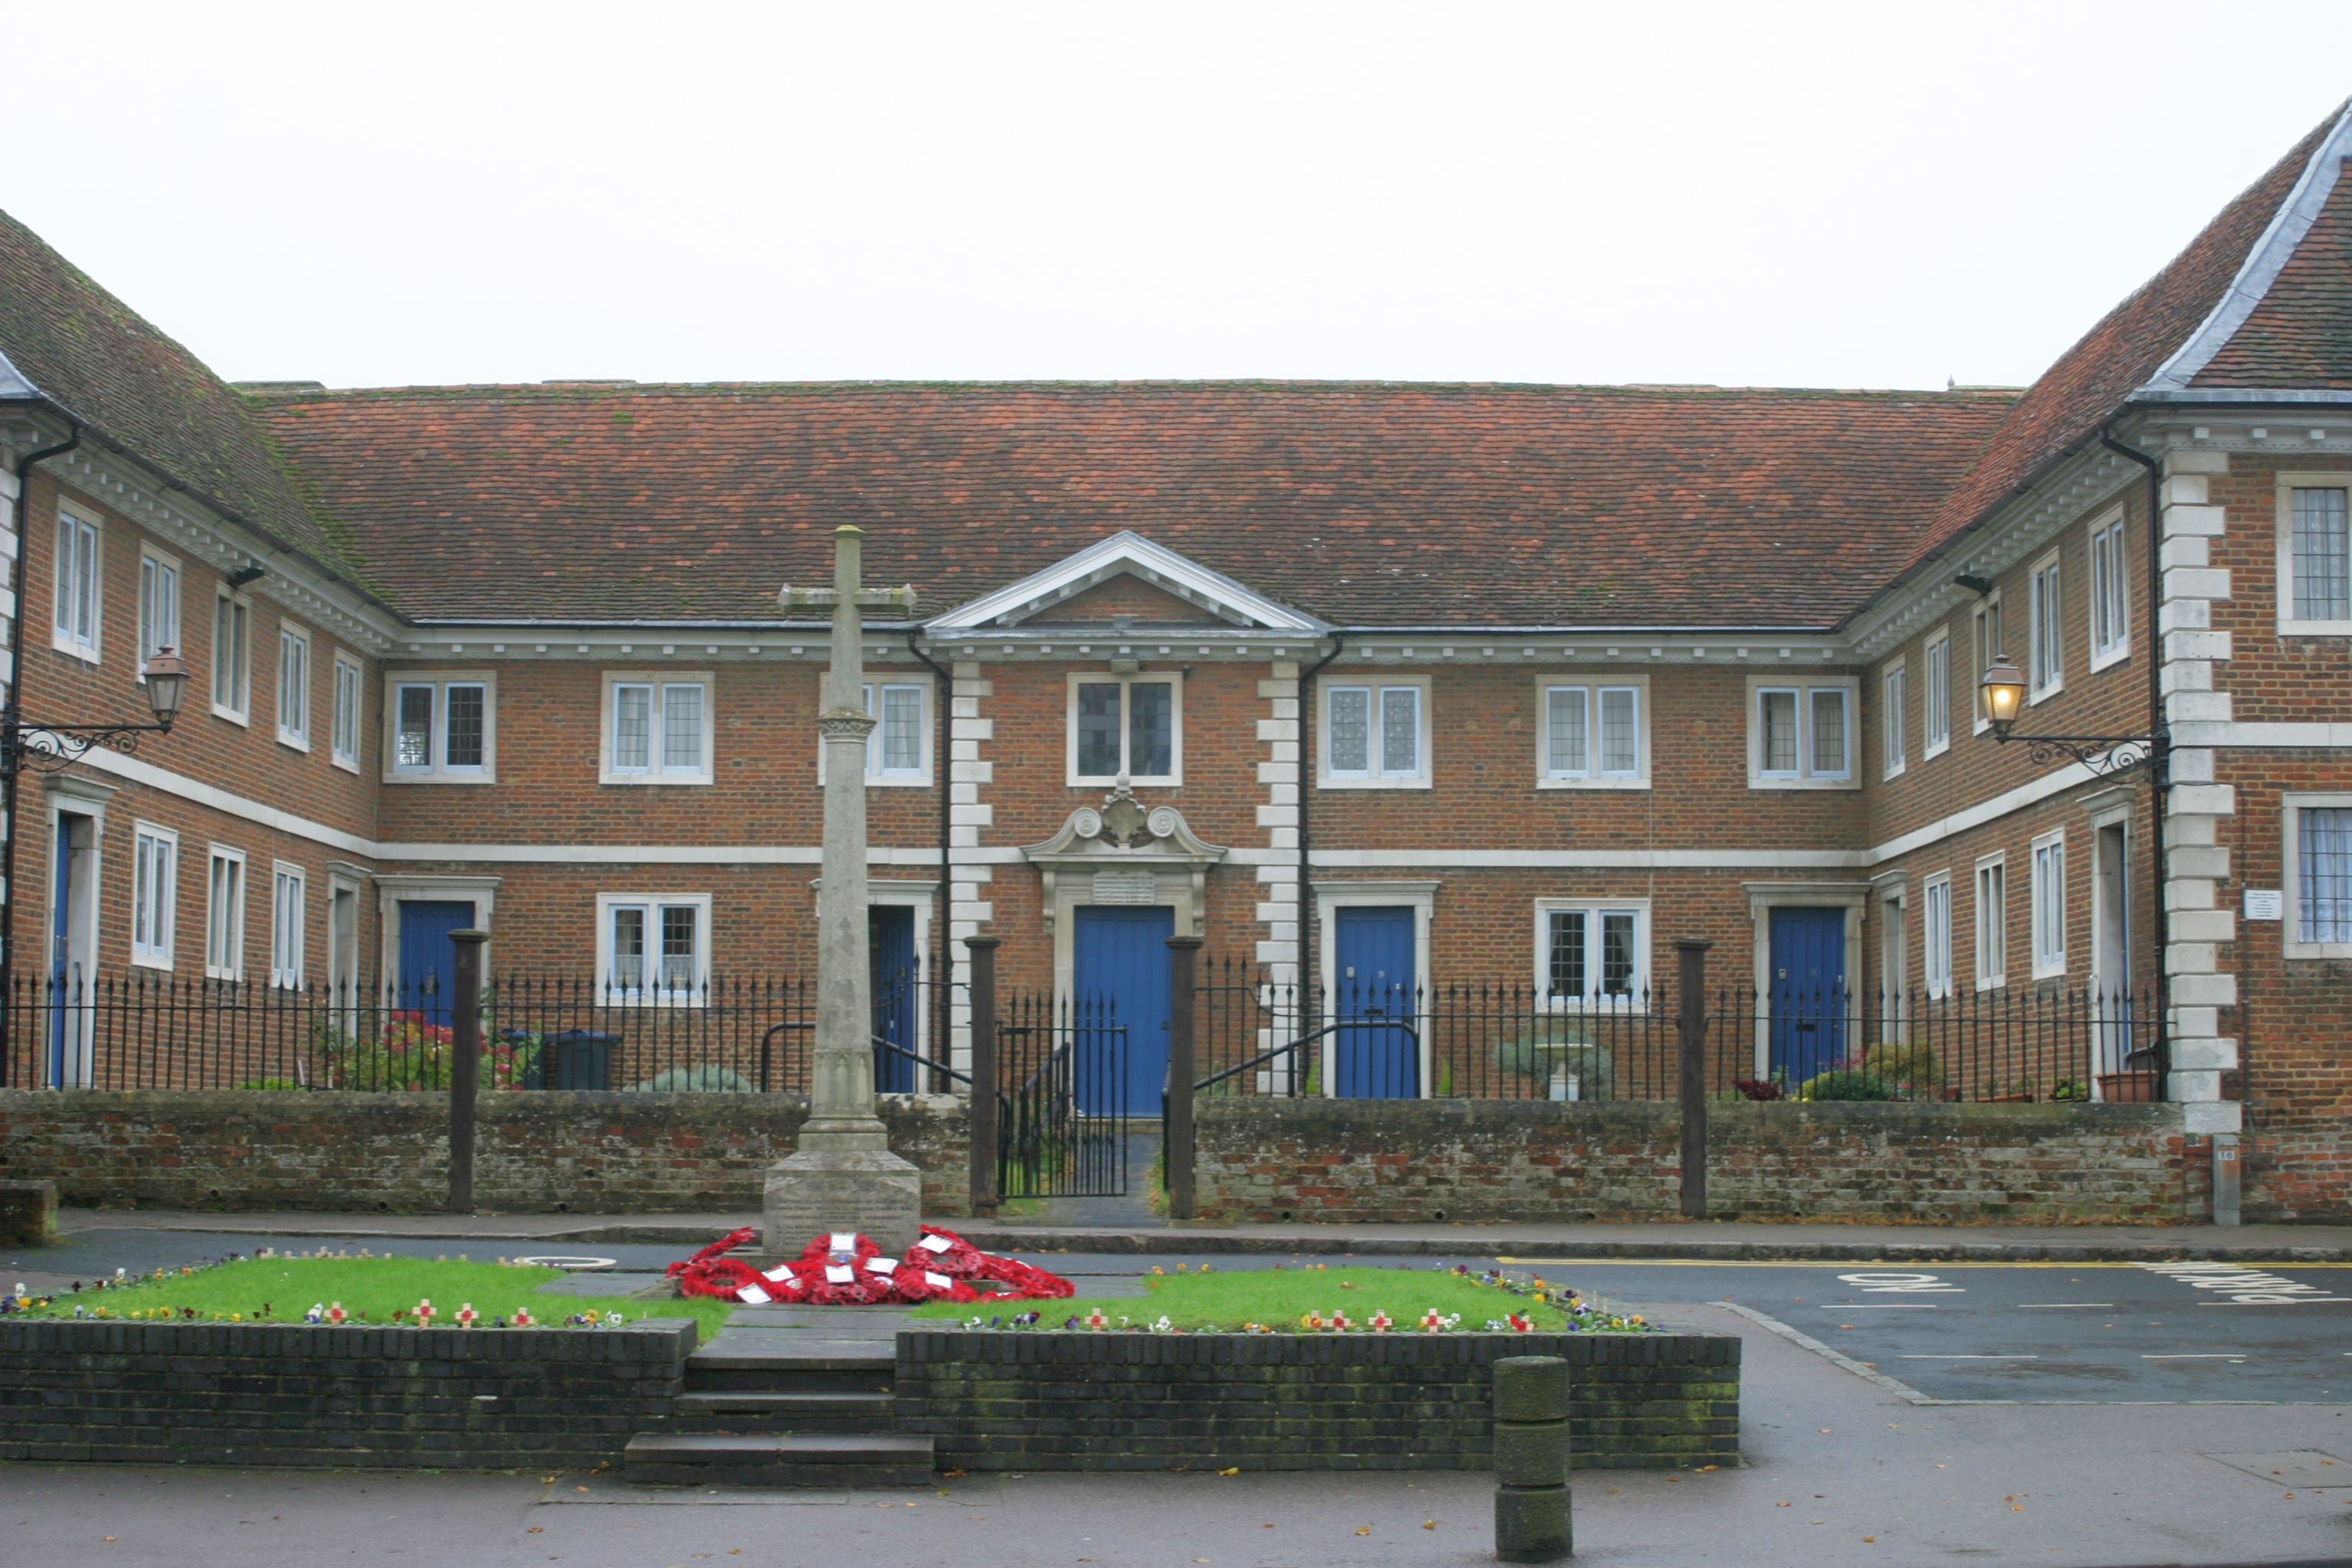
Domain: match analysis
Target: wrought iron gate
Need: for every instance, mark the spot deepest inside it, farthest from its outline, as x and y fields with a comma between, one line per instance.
x=1062, y=1096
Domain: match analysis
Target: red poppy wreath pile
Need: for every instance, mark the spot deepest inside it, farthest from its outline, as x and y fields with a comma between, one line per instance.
x=840, y=1269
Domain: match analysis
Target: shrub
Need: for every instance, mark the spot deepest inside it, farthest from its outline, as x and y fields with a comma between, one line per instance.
x=1909, y=1066
x=702, y=1078
x=1561, y=1044
x=270, y=1085
x=1848, y=1084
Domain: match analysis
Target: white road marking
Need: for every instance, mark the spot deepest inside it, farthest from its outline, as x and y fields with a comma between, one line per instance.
x=2243, y=1286
x=1888, y=1281
x=2029, y=1306
x=1969, y=1358
x=2196, y=1355
x=1886, y=1307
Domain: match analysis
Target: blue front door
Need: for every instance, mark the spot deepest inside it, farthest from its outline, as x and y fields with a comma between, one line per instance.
x=1373, y=979
x=890, y=941
x=64, y=985
x=428, y=959
x=1808, y=993
x=1118, y=970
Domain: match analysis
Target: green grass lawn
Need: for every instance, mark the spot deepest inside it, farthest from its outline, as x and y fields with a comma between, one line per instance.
x=1278, y=1298
x=280, y=1289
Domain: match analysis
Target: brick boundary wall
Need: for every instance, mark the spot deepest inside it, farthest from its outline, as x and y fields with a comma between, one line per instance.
x=1543, y=1161
x=252, y=1394
x=1291, y=1401
x=534, y=1151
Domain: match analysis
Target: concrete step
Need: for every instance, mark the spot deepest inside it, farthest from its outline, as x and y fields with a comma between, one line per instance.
x=747, y=1410
x=780, y=1371
x=850, y=1460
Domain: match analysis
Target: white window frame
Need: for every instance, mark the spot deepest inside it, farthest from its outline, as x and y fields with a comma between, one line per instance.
x=657, y=769
x=2289, y=624
x=225, y=930
x=1988, y=609
x=1803, y=776
x=351, y=711
x=1174, y=776
x=293, y=636
x=2046, y=896
x=1593, y=776
x=437, y=770
x=1936, y=935
x=2108, y=579
x=653, y=904
x=1894, y=717
x=237, y=705
x=1991, y=921
x=2292, y=804
x=1935, y=693
x=286, y=938
x=152, y=948
x=154, y=567
x=1594, y=1001
x=919, y=775
x=65, y=634
x=2045, y=589
x=1376, y=775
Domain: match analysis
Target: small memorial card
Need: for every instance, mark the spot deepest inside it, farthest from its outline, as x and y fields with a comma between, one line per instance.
x=937, y=1281
x=935, y=1244
x=839, y=1273
x=881, y=1265
x=844, y=1241
x=781, y=1274
x=753, y=1295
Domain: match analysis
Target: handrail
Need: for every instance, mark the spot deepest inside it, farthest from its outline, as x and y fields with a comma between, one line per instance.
x=1267, y=1055
x=926, y=1061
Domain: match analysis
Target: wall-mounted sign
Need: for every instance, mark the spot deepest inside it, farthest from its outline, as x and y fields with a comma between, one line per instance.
x=2265, y=904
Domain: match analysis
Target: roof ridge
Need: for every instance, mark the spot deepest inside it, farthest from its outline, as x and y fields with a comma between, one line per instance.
x=279, y=396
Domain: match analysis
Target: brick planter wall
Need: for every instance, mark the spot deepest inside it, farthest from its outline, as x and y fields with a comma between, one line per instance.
x=1289, y=1402
x=1369, y=1160
x=230, y=1149
x=251, y=1393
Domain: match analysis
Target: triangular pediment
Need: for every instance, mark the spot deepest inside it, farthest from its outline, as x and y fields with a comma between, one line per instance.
x=1125, y=575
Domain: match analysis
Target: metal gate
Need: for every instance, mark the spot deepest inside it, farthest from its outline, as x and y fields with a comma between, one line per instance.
x=1054, y=1061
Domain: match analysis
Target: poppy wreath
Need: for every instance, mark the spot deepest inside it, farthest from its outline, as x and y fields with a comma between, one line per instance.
x=843, y=1270
x=945, y=1252
x=710, y=1272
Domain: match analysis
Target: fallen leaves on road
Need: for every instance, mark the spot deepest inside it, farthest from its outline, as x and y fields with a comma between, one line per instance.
x=1429, y=1524
x=1233, y=1470
x=1363, y=1529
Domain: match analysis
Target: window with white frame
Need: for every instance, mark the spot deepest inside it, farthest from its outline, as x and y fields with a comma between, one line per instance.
x=2314, y=552
x=657, y=728
x=154, y=876
x=293, y=686
x=1375, y=733
x=232, y=655
x=347, y=720
x=2318, y=866
x=1897, y=717
x=1992, y=922
x=286, y=889
x=2045, y=631
x=442, y=730
x=1126, y=725
x=898, y=749
x=654, y=946
x=1592, y=734
x=225, y=914
x=2049, y=895
x=1801, y=736
x=1936, y=935
x=1935, y=693
x=2110, y=592
x=159, y=606
x=78, y=585
x=1986, y=630
x=1592, y=954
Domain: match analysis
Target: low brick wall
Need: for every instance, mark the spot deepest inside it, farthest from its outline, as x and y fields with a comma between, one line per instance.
x=250, y=1394
x=587, y=1152
x=1292, y=1402
x=1532, y=1160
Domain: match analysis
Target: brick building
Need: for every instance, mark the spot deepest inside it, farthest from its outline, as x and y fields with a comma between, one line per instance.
x=1432, y=683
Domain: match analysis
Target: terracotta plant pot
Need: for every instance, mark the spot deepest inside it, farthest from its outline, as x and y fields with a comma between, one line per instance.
x=2128, y=1088
x=2007, y=1100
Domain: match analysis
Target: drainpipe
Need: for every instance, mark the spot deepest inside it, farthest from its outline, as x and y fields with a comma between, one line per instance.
x=9, y=716
x=943, y=704
x=1307, y=792
x=2159, y=758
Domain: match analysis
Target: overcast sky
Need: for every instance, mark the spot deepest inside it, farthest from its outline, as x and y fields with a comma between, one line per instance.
x=1866, y=196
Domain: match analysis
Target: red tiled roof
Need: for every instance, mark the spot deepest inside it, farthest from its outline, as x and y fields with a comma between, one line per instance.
x=1366, y=504
x=138, y=389
x=2091, y=382
x=2300, y=336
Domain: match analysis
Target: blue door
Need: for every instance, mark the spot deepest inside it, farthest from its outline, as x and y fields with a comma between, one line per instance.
x=428, y=959
x=1118, y=962
x=64, y=985
x=1808, y=994
x=890, y=939
x=1372, y=979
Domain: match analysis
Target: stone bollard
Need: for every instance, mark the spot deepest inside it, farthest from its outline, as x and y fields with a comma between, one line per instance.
x=1531, y=1522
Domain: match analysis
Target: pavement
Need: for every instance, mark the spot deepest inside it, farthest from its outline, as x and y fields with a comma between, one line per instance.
x=2074, y=1397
